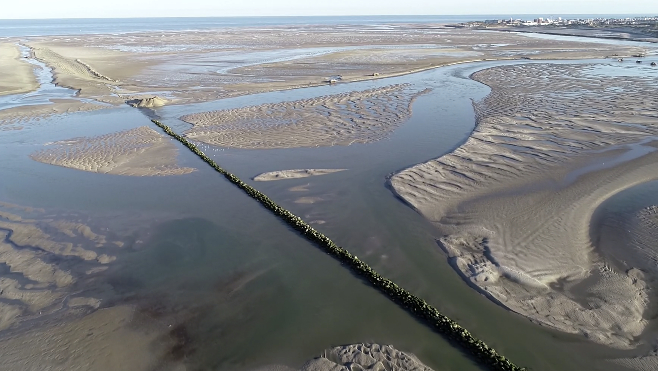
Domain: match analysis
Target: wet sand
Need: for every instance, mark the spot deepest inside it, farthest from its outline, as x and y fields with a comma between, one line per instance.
x=37, y=250
x=16, y=75
x=516, y=199
x=187, y=66
x=136, y=152
x=293, y=174
x=334, y=120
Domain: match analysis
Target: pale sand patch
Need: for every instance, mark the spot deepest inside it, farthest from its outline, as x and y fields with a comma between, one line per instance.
x=527, y=247
x=341, y=119
x=136, y=152
x=150, y=102
x=300, y=188
x=293, y=174
x=103, y=340
x=308, y=200
x=30, y=264
x=16, y=75
x=27, y=234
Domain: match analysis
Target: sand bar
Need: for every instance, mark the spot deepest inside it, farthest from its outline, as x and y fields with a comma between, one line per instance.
x=293, y=174
x=332, y=120
x=136, y=152
x=359, y=357
x=516, y=208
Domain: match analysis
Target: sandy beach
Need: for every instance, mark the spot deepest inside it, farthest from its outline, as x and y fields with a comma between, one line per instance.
x=16, y=75
x=516, y=199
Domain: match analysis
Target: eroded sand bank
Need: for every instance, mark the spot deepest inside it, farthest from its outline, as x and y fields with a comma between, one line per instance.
x=340, y=119
x=136, y=152
x=516, y=206
x=293, y=174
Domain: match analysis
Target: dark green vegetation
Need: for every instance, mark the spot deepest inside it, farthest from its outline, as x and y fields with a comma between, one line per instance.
x=413, y=304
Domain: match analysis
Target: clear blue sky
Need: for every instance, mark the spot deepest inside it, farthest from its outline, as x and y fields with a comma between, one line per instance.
x=218, y=8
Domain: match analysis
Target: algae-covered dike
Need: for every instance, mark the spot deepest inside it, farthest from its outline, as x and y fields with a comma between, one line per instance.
x=413, y=304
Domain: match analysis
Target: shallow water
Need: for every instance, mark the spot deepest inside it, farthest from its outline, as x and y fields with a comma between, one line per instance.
x=246, y=290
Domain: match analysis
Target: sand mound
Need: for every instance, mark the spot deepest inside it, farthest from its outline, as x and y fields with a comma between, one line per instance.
x=137, y=152
x=341, y=119
x=151, y=102
x=293, y=174
x=373, y=357
x=365, y=357
x=521, y=243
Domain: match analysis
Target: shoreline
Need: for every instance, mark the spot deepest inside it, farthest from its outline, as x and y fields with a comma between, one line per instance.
x=634, y=39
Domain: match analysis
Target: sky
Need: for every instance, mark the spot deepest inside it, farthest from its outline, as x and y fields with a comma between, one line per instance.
x=30, y=9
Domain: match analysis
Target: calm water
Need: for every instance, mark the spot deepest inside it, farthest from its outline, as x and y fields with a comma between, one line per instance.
x=250, y=292
x=41, y=27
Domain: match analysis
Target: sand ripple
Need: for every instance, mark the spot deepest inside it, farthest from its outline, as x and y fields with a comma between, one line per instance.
x=341, y=119
x=137, y=152
x=528, y=248
x=37, y=252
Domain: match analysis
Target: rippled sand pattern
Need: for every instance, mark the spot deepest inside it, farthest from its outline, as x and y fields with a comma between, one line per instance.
x=137, y=152
x=528, y=247
x=37, y=250
x=334, y=120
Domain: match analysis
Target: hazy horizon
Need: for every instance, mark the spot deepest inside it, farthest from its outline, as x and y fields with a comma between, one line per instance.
x=75, y=9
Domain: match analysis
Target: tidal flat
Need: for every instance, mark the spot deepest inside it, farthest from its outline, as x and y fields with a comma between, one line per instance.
x=470, y=171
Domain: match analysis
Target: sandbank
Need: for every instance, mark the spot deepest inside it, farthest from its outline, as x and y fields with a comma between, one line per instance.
x=341, y=119
x=16, y=75
x=516, y=199
x=359, y=357
x=136, y=152
x=293, y=174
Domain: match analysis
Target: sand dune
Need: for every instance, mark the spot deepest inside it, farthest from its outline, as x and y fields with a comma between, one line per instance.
x=516, y=213
x=341, y=119
x=137, y=152
x=293, y=174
